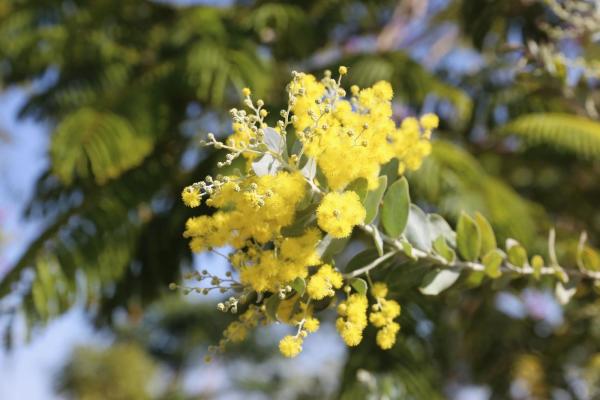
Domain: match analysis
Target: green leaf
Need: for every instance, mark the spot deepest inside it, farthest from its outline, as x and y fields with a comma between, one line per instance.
x=488, y=239
x=468, y=238
x=304, y=219
x=266, y=165
x=360, y=187
x=438, y=226
x=309, y=170
x=474, y=279
x=361, y=259
x=329, y=247
x=537, y=263
x=396, y=205
x=442, y=248
x=271, y=305
x=359, y=285
x=408, y=250
x=373, y=199
x=517, y=255
x=274, y=141
x=437, y=281
x=417, y=229
x=492, y=261
x=299, y=285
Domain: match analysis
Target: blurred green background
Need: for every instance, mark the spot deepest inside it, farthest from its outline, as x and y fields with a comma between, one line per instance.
x=125, y=89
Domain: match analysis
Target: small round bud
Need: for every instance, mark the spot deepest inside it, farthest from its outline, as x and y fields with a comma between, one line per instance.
x=246, y=92
x=343, y=70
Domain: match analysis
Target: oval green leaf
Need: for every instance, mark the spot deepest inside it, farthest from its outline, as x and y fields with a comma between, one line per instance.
x=396, y=204
x=437, y=281
x=468, y=238
x=373, y=199
x=488, y=238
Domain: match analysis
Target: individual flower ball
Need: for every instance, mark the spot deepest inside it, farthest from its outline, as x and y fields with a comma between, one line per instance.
x=311, y=324
x=290, y=346
x=191, y=196
x=338, y=213
x=323, y=283
x=379, y=290
x=429, y=121
x=386, y=337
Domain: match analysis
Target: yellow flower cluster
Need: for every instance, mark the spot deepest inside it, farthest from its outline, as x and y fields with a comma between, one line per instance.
x=383, y=315
x=256, y=208
x=352, y=138
x=274, y=215
x=353, y=319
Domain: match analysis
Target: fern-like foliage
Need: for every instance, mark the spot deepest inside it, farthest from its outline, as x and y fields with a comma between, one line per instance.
x=565, y=132
x=99, y=144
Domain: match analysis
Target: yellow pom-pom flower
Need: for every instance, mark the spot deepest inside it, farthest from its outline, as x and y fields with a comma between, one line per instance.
x=429, y=121
x=290, y=346
x=338, y=213
x=386, y=337
x=190, y=196
x=311, y=324
x=323, y=283
x=379, y=289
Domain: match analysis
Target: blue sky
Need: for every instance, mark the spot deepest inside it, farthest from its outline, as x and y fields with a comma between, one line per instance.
x=28, y=370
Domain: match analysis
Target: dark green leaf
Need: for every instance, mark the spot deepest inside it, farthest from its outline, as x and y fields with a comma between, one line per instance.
x=361, y=259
